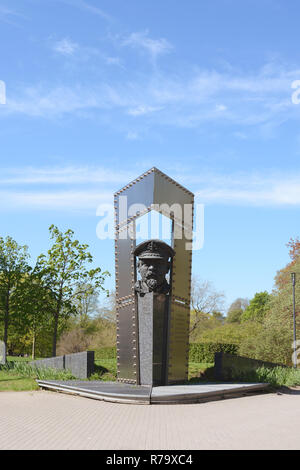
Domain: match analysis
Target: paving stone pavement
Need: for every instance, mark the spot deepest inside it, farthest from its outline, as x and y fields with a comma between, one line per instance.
x=50, y=420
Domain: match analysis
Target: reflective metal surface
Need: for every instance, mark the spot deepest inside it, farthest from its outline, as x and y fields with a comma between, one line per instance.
x=152, y=190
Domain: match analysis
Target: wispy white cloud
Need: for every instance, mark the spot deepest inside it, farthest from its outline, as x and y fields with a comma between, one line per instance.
x=51, y=102
x=95, y=10
x=249, y=189
x=113, y=61
x=82, y=53
x=240, y=135
x=86, y=6
x=154, y=47
x=62, y=175
x=221, y=107
x=141, y=110
x=53, y=200
x=7, y=11
x=65, y=47
x=131, y=135
x=8, y=15
x=23, y=187
x=184, y=100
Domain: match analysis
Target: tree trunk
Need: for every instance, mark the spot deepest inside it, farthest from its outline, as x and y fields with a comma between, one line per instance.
x=6, y=320
x=56, y=317
x=55, y=334
x=33, y=346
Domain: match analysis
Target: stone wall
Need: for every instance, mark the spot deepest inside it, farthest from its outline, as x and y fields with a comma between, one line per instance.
x=81, y=365
x=50, y=363
x=229, y=366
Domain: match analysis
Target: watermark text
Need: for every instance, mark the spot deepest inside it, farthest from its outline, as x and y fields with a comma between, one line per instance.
x=296, y=95
x=163, y=221
x=2, y=92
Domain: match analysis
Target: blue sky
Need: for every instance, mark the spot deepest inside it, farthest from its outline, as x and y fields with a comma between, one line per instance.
x=97, y=92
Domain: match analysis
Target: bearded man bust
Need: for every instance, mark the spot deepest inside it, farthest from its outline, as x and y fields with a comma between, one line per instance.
x=153, y=266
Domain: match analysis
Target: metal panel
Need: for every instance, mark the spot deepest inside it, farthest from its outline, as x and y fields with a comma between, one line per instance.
x=140, y=191
x=178, y=342
x=126, y=342
x=126, y=310
x=180, y=312
x=169, y=191
x=151, y=189
x=124, y=264
x=181, y=279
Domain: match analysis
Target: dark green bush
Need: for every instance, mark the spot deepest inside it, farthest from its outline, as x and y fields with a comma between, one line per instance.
x=106, y=353
x=276, y=376
x=205, y=352
x=199, y=352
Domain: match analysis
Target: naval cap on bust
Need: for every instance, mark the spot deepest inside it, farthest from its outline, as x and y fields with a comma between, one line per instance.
x=154, y=249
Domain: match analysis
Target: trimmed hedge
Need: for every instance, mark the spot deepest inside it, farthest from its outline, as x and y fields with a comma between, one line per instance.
x=106, y=353
x=198, y=352
x=205, y=352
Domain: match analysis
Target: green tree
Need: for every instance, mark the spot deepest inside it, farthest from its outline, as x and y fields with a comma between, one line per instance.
x=258, y=307
x=205, y=300
x=86, y=303
x=235, y=333
x=236, y=310
x=13, y=268
x=104, y=323
x=33, y=302
x=274, y=341
x=218, y=317
x=66, y=277
x=95, y=331
x=234, y=316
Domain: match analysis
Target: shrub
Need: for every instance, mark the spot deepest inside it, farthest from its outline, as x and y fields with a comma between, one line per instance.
x=276, y=376
x=42, y=373
x=198, y=352
x=73, y=341
x=106, y=353
x=205, y=352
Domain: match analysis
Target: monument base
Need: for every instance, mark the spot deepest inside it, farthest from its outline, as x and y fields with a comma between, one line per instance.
x=153, y=311
x=146, y=395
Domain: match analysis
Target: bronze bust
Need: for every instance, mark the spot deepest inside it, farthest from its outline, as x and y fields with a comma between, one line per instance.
x=153, y=265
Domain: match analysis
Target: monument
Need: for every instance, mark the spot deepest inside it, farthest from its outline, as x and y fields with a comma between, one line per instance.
x=152, y=313
x=153, y=289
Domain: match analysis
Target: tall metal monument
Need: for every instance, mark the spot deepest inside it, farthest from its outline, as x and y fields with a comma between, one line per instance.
x=152, y=313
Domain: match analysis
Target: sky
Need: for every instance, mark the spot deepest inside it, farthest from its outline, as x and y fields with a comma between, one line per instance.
x=94, y=93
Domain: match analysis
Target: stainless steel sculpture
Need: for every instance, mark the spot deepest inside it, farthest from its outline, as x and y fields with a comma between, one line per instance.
x=153, y=191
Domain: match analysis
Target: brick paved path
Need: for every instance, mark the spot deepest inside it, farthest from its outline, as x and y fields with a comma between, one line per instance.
x=49, y=420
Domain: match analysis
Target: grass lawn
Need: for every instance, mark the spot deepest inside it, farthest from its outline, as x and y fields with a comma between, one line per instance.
x=105, y=369
x=199, y=371
x=18, y=375
x=16, y=383
x=18, y=359
x=10, y=381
